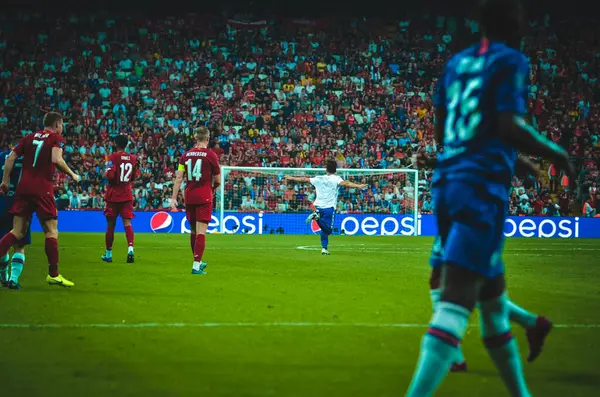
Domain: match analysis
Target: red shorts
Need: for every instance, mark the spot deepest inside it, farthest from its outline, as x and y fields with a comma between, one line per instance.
x=124, y=209
x=44, y=206
x=199, y=212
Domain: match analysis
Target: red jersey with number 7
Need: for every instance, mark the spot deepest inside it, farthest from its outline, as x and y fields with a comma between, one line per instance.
x=38, y=169
x=121, y=171
x=199, y=167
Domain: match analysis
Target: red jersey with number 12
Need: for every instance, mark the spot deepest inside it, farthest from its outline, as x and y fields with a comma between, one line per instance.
x=38, y=168
x=121, y=171
x=199, y=166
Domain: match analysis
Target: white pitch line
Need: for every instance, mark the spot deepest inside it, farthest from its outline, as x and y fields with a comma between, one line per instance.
x=252, y=325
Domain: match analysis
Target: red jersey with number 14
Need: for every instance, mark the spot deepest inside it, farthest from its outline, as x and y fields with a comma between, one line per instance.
x=121, y=171
x=38, y=168
x=199, y=167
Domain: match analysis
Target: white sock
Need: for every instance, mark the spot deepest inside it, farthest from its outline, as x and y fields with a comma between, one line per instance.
x=435, y=295
x=196, y=266
x=130, y=250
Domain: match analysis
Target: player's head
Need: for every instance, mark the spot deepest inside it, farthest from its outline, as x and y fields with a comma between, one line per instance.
x=331, y=166
x=202, y=136
x=121, y=142
x=502, y=19
x=53, y=122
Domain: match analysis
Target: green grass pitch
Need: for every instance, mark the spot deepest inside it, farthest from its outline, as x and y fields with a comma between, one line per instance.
x=272, y=319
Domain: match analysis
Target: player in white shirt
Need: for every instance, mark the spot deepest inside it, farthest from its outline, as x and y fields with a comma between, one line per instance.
x=327, y=193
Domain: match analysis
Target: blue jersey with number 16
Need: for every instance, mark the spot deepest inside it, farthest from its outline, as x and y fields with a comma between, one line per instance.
x=478, y=84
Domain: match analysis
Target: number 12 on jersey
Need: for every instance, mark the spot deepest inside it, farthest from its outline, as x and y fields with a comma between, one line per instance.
x=126, y=169
x=194, y=169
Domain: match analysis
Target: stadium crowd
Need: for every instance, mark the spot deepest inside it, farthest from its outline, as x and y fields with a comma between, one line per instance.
x=287, y=93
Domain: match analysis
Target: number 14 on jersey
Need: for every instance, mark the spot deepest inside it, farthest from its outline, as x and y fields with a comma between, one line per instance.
x=194, y=169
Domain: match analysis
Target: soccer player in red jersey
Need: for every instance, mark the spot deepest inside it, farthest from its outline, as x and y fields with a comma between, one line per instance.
x=121, y=170
x=42, y=152
x=201, y=170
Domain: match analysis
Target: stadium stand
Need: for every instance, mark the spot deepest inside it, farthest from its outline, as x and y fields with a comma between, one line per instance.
x=285, y=92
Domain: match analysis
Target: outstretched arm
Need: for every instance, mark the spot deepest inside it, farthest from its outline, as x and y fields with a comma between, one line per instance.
x=302, y=179
x=516, y=132
x=423, y=160
x=353, y=185
x=525, y=166
x=8, y=167
x=57, y=159
x=176, y=187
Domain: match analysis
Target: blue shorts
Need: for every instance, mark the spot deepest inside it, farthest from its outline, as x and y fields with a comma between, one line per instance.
x=6, y=225
x=470, y=228
x=327, y=216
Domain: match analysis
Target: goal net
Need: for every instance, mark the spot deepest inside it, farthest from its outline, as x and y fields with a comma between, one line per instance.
x=254, y=200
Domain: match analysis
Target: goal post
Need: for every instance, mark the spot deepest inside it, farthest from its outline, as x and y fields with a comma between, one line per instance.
x=258, y=200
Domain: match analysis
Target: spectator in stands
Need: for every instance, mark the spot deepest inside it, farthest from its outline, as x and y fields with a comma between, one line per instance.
x=427, y=206
x=293, y=104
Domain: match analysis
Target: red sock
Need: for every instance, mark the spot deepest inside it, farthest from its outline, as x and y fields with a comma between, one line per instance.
x=129, y=235
x=199, y=247
x=192, y=242
x=6, y=243
x=109, y=237
x=52, y=254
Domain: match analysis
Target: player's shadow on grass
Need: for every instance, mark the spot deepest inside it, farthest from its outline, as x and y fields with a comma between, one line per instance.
x=586, y=379
x=78, y=291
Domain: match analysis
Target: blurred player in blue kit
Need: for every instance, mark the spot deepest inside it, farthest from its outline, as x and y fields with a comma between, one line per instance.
x=536, y=327
x=9, y=275
x=480, y=106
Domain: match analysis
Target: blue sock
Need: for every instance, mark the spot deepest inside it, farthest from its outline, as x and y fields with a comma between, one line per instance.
x=16, y=266
x=4, y=267
x=324, y=240
x=435, y=295
x=502, y=347
x=439, y=348
x=108, y=254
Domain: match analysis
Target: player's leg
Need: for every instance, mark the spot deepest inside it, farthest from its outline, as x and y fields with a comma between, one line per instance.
x=536, y=327
x=21, y=210
x=190, y=214
x=203, y=214
x=130, y=236
x=19, y=230
x=6, y=224
x=48, y=216
x=109, y=236
x=193, y=236
x=463, y=224
x=16, y=265
x=127, y=215
x=199, y=247
x=435, y=293
x=18, y=259
x=440, y=345
x=325, y=222
x=4, y=270
x=497, y=336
